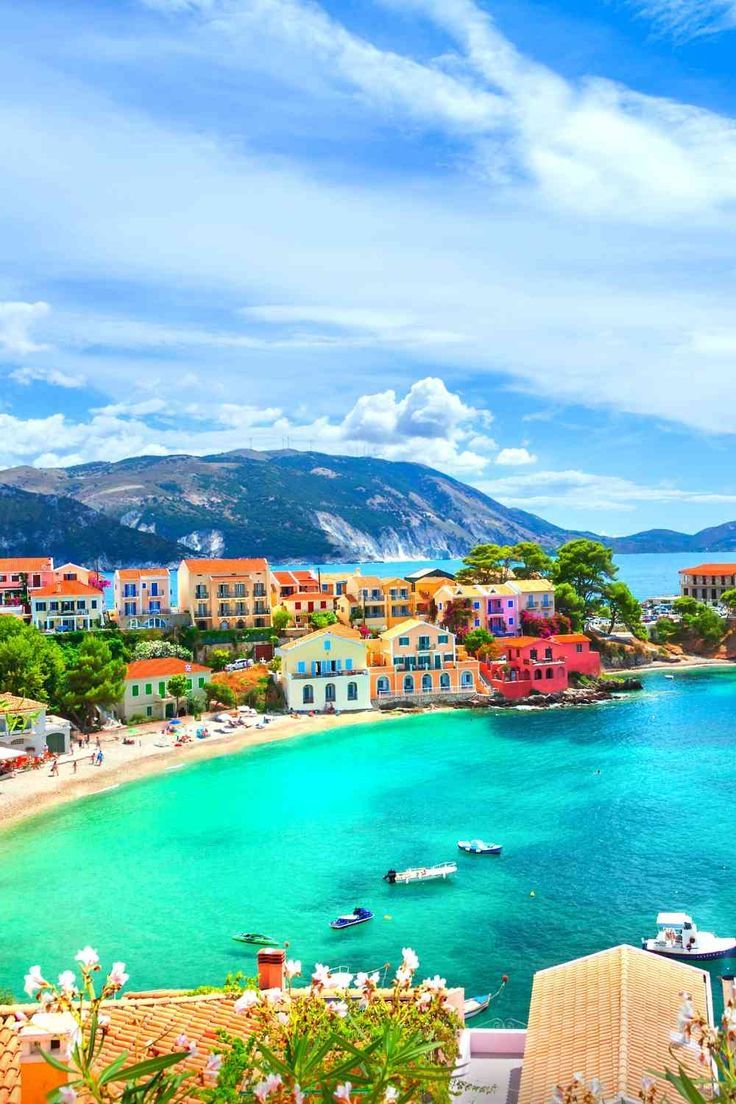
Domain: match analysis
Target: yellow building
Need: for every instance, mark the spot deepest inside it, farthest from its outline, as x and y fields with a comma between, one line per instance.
x=226, y=594
x=326, y=670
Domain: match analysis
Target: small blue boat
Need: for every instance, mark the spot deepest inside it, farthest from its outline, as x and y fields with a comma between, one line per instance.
x=480, y=847
x=357, y=916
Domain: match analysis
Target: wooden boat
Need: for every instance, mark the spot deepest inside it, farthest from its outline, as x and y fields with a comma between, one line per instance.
x=479, y=847
x=420, y=873
x=678, y=937
x=256, y=938
x=473, y=1006
x=357, y=916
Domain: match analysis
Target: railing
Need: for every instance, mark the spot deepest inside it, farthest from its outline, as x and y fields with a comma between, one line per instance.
x=426, y=693
x=327, y=674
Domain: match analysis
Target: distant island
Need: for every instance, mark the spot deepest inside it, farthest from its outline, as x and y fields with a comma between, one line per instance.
x=292, y=506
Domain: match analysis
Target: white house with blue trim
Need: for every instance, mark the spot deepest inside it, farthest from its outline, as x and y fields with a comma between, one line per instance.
x=326, y=671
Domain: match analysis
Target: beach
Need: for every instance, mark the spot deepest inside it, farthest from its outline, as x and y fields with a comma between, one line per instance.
x=32, y=792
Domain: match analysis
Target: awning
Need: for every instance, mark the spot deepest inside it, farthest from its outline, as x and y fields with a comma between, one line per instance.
x=9, y=753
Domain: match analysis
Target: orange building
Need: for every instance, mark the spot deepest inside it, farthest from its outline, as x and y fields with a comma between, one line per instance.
x=226, y=594
x=416, y=658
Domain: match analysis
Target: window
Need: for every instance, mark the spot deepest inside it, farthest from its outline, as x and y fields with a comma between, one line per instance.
x=530, y=601
x=330, y=692
x=423, y=643
x=548, y=653
x=444, y=681
x=80, y=604
x=442, y=638
x=408, y=684
x=352, y=691
x=533, y=653
x=510, y=603
x=41, y=606
x=550, y=673
x=348, y=664
x=382, y=685
x=578, y=647
x=189, y=684
x=135, y=689
x=149, y=710
x=301, y=667
x=466, y=679
x=404, y=641
x=162, y=689
x=200, y=681
x=308, y=695
x=149, y=689
x=93, y=603
x=155, y=607
x=426, y=684
x=477, y=623
x=476, y=605
x=297, y=605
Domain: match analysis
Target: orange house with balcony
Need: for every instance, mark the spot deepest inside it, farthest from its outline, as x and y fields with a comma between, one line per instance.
x=303, y=604
x=416, y=658
x=542, y=665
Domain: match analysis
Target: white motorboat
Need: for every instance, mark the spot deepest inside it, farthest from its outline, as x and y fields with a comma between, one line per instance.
x=420, y=873
x=480, y=847
x=678, y=937
x=473, y=1006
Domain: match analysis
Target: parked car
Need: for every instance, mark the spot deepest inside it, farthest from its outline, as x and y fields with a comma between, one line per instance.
x=237, y=665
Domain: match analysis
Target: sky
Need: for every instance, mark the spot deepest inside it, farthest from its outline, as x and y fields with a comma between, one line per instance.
x=496, y=239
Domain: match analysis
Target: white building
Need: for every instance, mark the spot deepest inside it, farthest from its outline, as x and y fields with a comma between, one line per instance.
x=326, y=671
x=26, y=728
x=66, y=606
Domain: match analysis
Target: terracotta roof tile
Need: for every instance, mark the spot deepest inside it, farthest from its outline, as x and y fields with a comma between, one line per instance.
x=610, y=1016
x=141, y=572
x=163, y=668
x=26, y=563
x=71, y=587
x=226, y=567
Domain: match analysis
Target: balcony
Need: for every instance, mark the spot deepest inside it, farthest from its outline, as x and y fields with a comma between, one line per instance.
x=328, y=674
x=201, y=592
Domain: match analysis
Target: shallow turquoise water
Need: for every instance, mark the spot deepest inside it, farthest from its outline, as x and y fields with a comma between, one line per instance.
x=283, y=838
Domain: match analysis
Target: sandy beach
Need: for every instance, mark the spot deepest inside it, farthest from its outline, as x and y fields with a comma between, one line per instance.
x=678, y=665
x=32, y=792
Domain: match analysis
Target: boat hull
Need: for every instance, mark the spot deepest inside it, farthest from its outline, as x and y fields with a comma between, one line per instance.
x=727, y=949
x=338, y=925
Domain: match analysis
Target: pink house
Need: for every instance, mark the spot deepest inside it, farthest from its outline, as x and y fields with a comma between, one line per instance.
x=531, y=663
x=19, y=576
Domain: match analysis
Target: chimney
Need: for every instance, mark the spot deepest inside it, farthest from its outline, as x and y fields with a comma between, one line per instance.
x=45, y=1031
x=270, y=969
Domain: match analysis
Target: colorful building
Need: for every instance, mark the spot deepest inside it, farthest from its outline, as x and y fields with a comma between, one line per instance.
x=494, y=608
x=226, y=594
x=141, y=598
x=536, y=597
x=542, y=665
x=363, y=602
x=147, y=686
x=20, y=575
x=287, y=583
x=67, y=607
x=303, y=605
x=25, y=727
x=707, y=581
x=73, y=573
x=326, y=670
x=416, y=658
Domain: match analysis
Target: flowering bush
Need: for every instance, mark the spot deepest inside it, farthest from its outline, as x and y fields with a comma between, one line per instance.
x=544, y=627
x=338, y=1040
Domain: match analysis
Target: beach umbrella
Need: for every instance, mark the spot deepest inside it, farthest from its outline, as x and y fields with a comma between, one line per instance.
x=175, y=721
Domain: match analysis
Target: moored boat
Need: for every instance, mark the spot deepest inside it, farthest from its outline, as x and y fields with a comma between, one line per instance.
x=678, y=937
x=256, y=938
x=479, y=847
x=350, y=919
x=420, y=873
x=473, y=1006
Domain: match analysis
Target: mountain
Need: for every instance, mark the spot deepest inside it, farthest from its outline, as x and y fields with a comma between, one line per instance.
x=287, y=505
x=717, y=538
x=60, y=527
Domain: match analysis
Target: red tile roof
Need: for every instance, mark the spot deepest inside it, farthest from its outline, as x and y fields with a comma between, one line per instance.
x=226, y=567
x=164, y=668
x=28, y=563
x=71, y=587
x=139, y=572
x=710, y=569
x=292, y=578
x=571, y=638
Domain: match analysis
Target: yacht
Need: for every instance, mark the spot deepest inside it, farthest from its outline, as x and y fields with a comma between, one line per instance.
x=678, y=937
x=420, y=873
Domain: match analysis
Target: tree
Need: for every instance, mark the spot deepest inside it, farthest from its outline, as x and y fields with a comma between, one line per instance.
x=160, y=649
x=221, y=693
x=177, y=688
x=219, y=658
x=280, y=619
x=486, y=563
x=699, y=620
x=569, y=604
x=622, y=606
x=478, y=642
x=94, y=680
x=457, y=614
x=31, y=664
x=320, y=619
x=588, y=567
x=531, y=561
x=728, y=599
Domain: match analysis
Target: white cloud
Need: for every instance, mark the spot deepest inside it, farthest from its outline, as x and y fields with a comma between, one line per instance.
x=28, y=374
x=515, y=457
x=578, y=490
x=16, y=322
x=688, y=18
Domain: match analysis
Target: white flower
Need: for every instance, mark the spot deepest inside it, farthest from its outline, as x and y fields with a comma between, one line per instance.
x=117, y=975
x=212, y=1067
x=391, y=1095
x=293, y=968
x=192, y=1047
x=557, y=1096
x=181, y=1040
x=436, y=984
x=282, y=1017
x=403, y=975
x=274, y=996
x=410, y=959
x=424, y=999
x=686, y=1013
x=297, y=1096
x=103, y=1021
x=342, y=1092
x=366, y=981
x=321, y=975
x=33, y=980
x=67, y=982
x=578, y=1079
x=88, y=957
x=263, y=1089
x=67, y=1094
x=341, y=1009
x=647, y=1082
x=596, y=1088
x=341, y=980
x=248, y=999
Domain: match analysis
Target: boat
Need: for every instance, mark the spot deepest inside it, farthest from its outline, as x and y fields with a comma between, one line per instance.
x=479, y=847
x=473, y=1006
x=420, y=873
x=256, y=938
x=678, y=937
x=357, y=916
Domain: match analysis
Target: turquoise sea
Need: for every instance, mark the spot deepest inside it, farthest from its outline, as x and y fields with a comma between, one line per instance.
x=282, y=838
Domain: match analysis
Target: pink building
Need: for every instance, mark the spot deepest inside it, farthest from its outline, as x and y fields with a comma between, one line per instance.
x=530, y=663
x=18, y=577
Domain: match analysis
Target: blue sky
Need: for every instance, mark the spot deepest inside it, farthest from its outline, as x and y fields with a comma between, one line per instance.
x=499, y=239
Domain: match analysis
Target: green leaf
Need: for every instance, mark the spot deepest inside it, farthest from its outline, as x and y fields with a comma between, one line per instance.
x=151, y=1065
x=56, y=1063
x=109, y=1072
x=686, y=1088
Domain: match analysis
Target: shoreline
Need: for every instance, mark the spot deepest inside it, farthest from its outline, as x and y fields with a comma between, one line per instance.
x=686, y=664
x=33, y=793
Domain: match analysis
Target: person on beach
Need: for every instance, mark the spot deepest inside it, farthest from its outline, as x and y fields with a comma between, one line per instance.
x=100, y=757
x=75, y=766
x=54, y=767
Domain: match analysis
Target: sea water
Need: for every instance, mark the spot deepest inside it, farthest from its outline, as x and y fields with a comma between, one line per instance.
x=607, y=814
